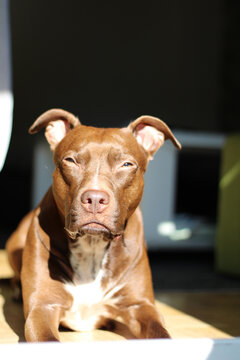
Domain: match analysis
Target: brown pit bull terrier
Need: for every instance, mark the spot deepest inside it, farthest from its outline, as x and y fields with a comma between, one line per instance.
x=81, y=255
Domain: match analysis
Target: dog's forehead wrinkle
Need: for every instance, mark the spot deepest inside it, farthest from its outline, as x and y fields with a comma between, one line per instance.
x=86, y=134
x=87, y=138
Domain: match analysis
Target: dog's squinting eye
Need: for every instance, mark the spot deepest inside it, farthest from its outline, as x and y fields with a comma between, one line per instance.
x=69, y=159
x=126, y=164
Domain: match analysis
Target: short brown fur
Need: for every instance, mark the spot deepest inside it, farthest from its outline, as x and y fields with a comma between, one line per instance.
x=94, y=199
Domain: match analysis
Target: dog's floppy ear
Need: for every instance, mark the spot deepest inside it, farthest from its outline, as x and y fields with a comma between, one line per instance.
x=57, y=122
x=151, y=132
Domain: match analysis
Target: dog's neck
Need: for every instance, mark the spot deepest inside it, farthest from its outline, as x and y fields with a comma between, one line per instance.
x=87, y=255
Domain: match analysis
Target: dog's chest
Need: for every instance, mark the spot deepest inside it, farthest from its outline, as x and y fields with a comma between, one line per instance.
x=87, y=258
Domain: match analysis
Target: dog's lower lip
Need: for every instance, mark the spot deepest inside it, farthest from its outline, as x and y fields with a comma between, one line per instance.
x=95, y=227
x=99, y=228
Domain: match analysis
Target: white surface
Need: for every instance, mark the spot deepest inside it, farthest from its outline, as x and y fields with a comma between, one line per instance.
x=6, y=107
x=6, y=97
x=201, y=349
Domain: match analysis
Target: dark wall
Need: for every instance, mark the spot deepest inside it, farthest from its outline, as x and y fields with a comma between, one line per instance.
x=230, y=72
x=109, y=62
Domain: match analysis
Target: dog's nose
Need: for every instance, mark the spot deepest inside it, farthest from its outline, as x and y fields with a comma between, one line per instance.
x=95, y=201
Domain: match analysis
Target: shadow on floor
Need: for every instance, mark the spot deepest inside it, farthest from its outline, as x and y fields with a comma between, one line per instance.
x=12, y=310
x=189, y=282
x=188, y=271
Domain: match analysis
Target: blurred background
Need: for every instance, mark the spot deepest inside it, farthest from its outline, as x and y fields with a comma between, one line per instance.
x=109, y=62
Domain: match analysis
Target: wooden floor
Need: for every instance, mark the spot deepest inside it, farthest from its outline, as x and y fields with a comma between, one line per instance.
x=187, y=315
x=220, y=310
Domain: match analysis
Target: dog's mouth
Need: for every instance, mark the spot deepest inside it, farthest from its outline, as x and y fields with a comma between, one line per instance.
x=93, y=228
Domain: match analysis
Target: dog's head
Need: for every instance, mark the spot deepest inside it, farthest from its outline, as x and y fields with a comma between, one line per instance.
x=98, y=179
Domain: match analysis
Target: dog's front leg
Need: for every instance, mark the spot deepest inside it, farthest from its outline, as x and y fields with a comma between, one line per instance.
x=42, y=323
x=144, y=322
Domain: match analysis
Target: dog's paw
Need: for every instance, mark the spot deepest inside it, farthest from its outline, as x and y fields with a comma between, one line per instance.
x=109, y=325
x=155, y=331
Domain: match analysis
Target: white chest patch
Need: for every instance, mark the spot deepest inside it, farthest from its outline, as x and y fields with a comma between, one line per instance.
x=87, y=259
x=87, y=305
